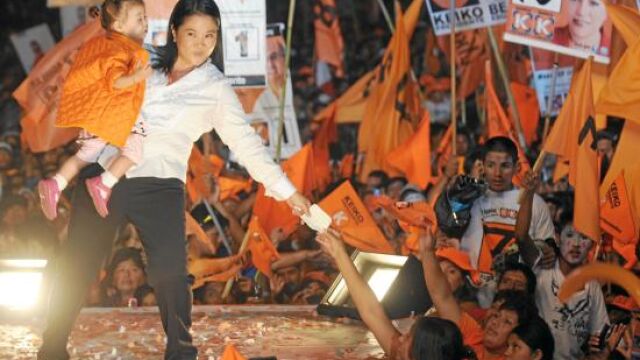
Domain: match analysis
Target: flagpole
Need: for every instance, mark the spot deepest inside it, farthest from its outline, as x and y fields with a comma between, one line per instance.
x=216, y=222
x=386, y=15
x=552, y=95
x=243, y=246
x=452, y=70
x=283, y=93
x=507, y=87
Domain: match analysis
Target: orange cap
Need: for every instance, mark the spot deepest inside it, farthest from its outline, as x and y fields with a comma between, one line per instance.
x=625, y=303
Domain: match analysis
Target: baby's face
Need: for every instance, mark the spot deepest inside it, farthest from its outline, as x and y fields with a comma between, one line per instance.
x=133, y=21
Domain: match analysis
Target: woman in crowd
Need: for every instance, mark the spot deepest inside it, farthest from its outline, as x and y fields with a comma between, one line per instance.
x=125, y=275
x=185, y=97
x=429, y=337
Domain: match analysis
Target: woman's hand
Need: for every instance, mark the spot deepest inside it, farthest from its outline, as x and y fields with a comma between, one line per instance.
x=331, y=242
x=427, y=241
x=299, y=204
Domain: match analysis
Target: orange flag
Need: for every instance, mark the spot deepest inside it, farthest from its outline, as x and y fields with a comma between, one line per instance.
x=263, y=253
x=621, y=95
x=351, y=104
x=573, y=137
x=326, y=134
x=413, y=157
x=351, y=217
x=39, y=93
x=616, y=213
x=392, y=108
x=198, y=171
x=274, y=214
x=328, y=42
x=472, y=50
x=626, y=20
x=417, y=214
x=499, y=124
x=231, y=353
x=527, y=103
x=346, y=166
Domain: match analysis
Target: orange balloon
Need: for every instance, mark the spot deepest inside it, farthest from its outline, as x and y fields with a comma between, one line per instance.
x=601, y=272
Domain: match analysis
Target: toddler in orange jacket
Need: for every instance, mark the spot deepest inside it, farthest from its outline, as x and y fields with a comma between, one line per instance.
x=102, y=95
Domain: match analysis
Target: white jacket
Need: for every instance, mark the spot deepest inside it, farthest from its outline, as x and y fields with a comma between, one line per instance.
x=176, y=115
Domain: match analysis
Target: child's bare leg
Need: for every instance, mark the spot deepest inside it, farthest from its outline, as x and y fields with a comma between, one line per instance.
x=69, y=170
x=116, y=170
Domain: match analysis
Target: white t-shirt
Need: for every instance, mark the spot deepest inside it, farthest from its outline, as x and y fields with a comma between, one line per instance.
x=177, y=114
x=572, y=323
x=502, y=208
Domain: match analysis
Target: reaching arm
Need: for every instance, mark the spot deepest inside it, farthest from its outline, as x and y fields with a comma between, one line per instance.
x=439, y=289
x=528, y=250
x=370, y=309
x=293, y=258
x=137, y=76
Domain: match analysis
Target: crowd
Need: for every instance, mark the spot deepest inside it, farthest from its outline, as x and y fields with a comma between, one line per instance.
x=535, y=245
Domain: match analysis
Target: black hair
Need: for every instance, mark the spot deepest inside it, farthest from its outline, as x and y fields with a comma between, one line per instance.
x=605, y=135
x=437, y=339
x=525, y=270
x=566, y=218
x=384, y=178
x=476, y=154
x=519, y=302
x=537, y=335
x=110, y=10
x=501, y=144
x=122, y=255
x=168, y=54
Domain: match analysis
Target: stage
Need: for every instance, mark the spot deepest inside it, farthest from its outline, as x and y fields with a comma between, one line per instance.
x=286, y=332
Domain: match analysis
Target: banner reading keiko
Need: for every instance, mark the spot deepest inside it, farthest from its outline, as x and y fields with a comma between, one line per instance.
x=579, y=28
x=469, y=14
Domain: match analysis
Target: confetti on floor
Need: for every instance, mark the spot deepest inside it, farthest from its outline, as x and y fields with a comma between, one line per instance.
x=286, y=332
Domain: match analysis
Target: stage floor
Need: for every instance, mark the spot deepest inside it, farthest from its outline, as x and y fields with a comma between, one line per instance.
x=286, y=332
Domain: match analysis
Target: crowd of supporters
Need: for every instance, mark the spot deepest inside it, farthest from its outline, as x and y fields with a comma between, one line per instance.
x=501, y=312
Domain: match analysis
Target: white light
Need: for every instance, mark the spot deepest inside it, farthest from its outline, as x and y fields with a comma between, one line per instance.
x=19, y=290
x=381, y=281
x=23, y=263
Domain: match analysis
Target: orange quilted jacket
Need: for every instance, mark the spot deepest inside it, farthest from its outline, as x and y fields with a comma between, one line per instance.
x=88, y=99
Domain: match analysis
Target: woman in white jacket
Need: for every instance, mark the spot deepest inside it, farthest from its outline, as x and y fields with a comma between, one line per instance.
x=185, y=97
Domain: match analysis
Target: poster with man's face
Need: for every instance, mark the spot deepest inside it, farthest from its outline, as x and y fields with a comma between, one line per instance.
x=579, y=28
x=32, y=44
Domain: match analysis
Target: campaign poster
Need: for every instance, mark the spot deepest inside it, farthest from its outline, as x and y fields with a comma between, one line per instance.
x=32, y=44
x=579, y=28
x=158, y=14
x=542, y=63
x=469, y=14
x=60, y=3
x=262, y=104
x=243, y=41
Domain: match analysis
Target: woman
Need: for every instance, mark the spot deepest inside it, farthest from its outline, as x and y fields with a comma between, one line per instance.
x=584, y=30
x=531, y=341
x=185, y=97
x=429, y=338
x=125, y=275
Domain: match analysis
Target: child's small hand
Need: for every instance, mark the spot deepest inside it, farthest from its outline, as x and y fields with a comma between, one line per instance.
x=142, y=72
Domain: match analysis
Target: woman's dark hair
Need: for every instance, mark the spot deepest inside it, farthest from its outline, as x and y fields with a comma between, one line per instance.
x=123, y=255
x=168, y=54
x=438, y=339
x=537, y=335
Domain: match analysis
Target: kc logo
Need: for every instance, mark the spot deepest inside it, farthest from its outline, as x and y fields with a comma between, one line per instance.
x=533, y=24
x=547, y=5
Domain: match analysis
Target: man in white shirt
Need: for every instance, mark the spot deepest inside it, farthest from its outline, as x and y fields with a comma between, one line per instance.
x=493, y=215
x=584, y=314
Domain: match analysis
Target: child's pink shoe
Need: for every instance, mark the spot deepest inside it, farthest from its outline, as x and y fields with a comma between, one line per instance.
x=100, y=194
x=49, y=196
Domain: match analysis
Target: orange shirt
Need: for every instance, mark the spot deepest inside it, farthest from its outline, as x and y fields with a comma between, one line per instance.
x=90, y=101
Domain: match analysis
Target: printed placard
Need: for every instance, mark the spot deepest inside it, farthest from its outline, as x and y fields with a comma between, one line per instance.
x=469, y=14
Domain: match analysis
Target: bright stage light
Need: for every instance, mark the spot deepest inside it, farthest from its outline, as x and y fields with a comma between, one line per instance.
x=397, y=282
x=20, y=281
